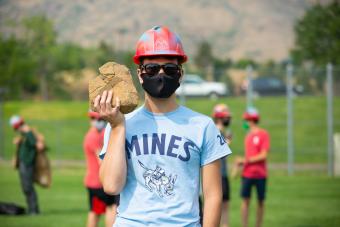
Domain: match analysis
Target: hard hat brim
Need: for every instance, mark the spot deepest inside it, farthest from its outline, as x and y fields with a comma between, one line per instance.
x=182, y=58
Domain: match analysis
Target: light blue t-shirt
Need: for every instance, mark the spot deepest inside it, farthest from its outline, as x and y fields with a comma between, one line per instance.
x=224, y=164
x=164, y=155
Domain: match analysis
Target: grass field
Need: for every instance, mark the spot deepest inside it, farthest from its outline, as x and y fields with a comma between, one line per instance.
x=306, y=199
x=299, y=201
x=65, y=123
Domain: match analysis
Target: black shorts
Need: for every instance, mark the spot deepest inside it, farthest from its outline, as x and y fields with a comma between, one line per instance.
x=225, y=189
x=98, y=200
x=260, y=185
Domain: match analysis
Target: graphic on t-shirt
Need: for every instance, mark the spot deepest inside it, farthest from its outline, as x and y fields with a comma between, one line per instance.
x=222, y=139
x=256, y=140
x=157, y=180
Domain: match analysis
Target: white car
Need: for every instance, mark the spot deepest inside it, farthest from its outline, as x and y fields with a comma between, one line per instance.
x=193, y=85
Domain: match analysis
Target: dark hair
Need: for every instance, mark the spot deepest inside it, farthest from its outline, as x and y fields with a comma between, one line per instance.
x=141, y=59
x=256, y=121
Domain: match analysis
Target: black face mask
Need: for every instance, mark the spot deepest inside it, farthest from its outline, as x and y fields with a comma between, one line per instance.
x=160, y=85
x=226, y=122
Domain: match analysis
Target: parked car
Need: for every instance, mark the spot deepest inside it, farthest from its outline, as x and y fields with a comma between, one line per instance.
x=193, y=85
x=272, y=86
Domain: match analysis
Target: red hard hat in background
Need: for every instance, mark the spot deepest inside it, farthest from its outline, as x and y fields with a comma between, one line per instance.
x=16, y=121
x=251, y=114
x=221, y=111
x=159, y=41
x=93, y=114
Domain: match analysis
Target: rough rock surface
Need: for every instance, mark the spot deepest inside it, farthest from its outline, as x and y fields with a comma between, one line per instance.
x=117, y=78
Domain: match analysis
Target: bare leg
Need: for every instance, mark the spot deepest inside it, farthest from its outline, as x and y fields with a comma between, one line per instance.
x=110, y=215
x=245, y=212
x=259, y=213
x=92, y=219
x=225, y=214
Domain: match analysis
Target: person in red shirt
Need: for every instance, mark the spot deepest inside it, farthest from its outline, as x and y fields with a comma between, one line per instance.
x=257, y=144
x=100, y=202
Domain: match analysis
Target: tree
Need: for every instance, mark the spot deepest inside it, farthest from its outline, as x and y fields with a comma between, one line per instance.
x=68, y=56
x=204, y=56
x=106, y=53
x=204, y=59
x=243, y=63
x=41, y=38
x=318, y=35
x=16, y=68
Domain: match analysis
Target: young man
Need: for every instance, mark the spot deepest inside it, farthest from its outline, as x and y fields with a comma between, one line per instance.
x=100, y=202
x=26, y=146
x=254, y=173
x=222, y=119
x=154, y=155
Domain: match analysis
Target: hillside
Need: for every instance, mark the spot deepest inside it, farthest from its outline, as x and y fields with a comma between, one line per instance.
x=261, y=29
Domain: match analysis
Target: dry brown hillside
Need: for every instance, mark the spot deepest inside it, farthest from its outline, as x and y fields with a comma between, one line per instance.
x=259, y=29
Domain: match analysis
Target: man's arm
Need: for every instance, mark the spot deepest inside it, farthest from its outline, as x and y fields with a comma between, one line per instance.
x=212, y=194
x=112, y=171
x=256, y=158
x=259, y=157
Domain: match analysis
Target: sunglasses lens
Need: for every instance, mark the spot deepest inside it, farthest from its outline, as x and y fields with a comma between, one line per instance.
x=171, y=69
x=152, y=69
x=168, y=68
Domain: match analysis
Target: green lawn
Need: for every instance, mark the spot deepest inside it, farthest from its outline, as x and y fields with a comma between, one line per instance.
x=65, y=123
x=299, y=201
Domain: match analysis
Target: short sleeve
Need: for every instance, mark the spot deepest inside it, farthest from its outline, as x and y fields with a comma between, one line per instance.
x=214, y=145
x=106, y=141
x=265, y=143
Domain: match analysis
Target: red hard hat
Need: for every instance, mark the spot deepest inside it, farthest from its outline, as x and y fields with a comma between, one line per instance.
x=16, y=121
x=251, y=114
x=221, y=111
x=159, y=41
x=93, y=114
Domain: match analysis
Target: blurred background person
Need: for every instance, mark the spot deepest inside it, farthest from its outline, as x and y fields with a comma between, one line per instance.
x=254, y=162
x=222, y=119
x=100, y=202
x=26, y=151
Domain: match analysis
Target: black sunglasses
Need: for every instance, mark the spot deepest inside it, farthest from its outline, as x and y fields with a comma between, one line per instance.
x=168, y=68
x=97, y=119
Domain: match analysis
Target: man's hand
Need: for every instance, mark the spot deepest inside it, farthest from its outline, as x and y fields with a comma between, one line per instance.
x=40, y=146
x=236, y=167
x=102, y=105
x=239, y=161
x=16, y=140
x=14, y=162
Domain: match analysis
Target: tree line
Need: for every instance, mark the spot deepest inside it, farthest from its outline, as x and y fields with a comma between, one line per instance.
x=31, y=62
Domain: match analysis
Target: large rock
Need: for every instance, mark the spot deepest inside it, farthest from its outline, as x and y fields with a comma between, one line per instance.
x=117, y=78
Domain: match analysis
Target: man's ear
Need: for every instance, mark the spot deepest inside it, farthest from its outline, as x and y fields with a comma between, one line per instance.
x=139, y=72
x=182, y=74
